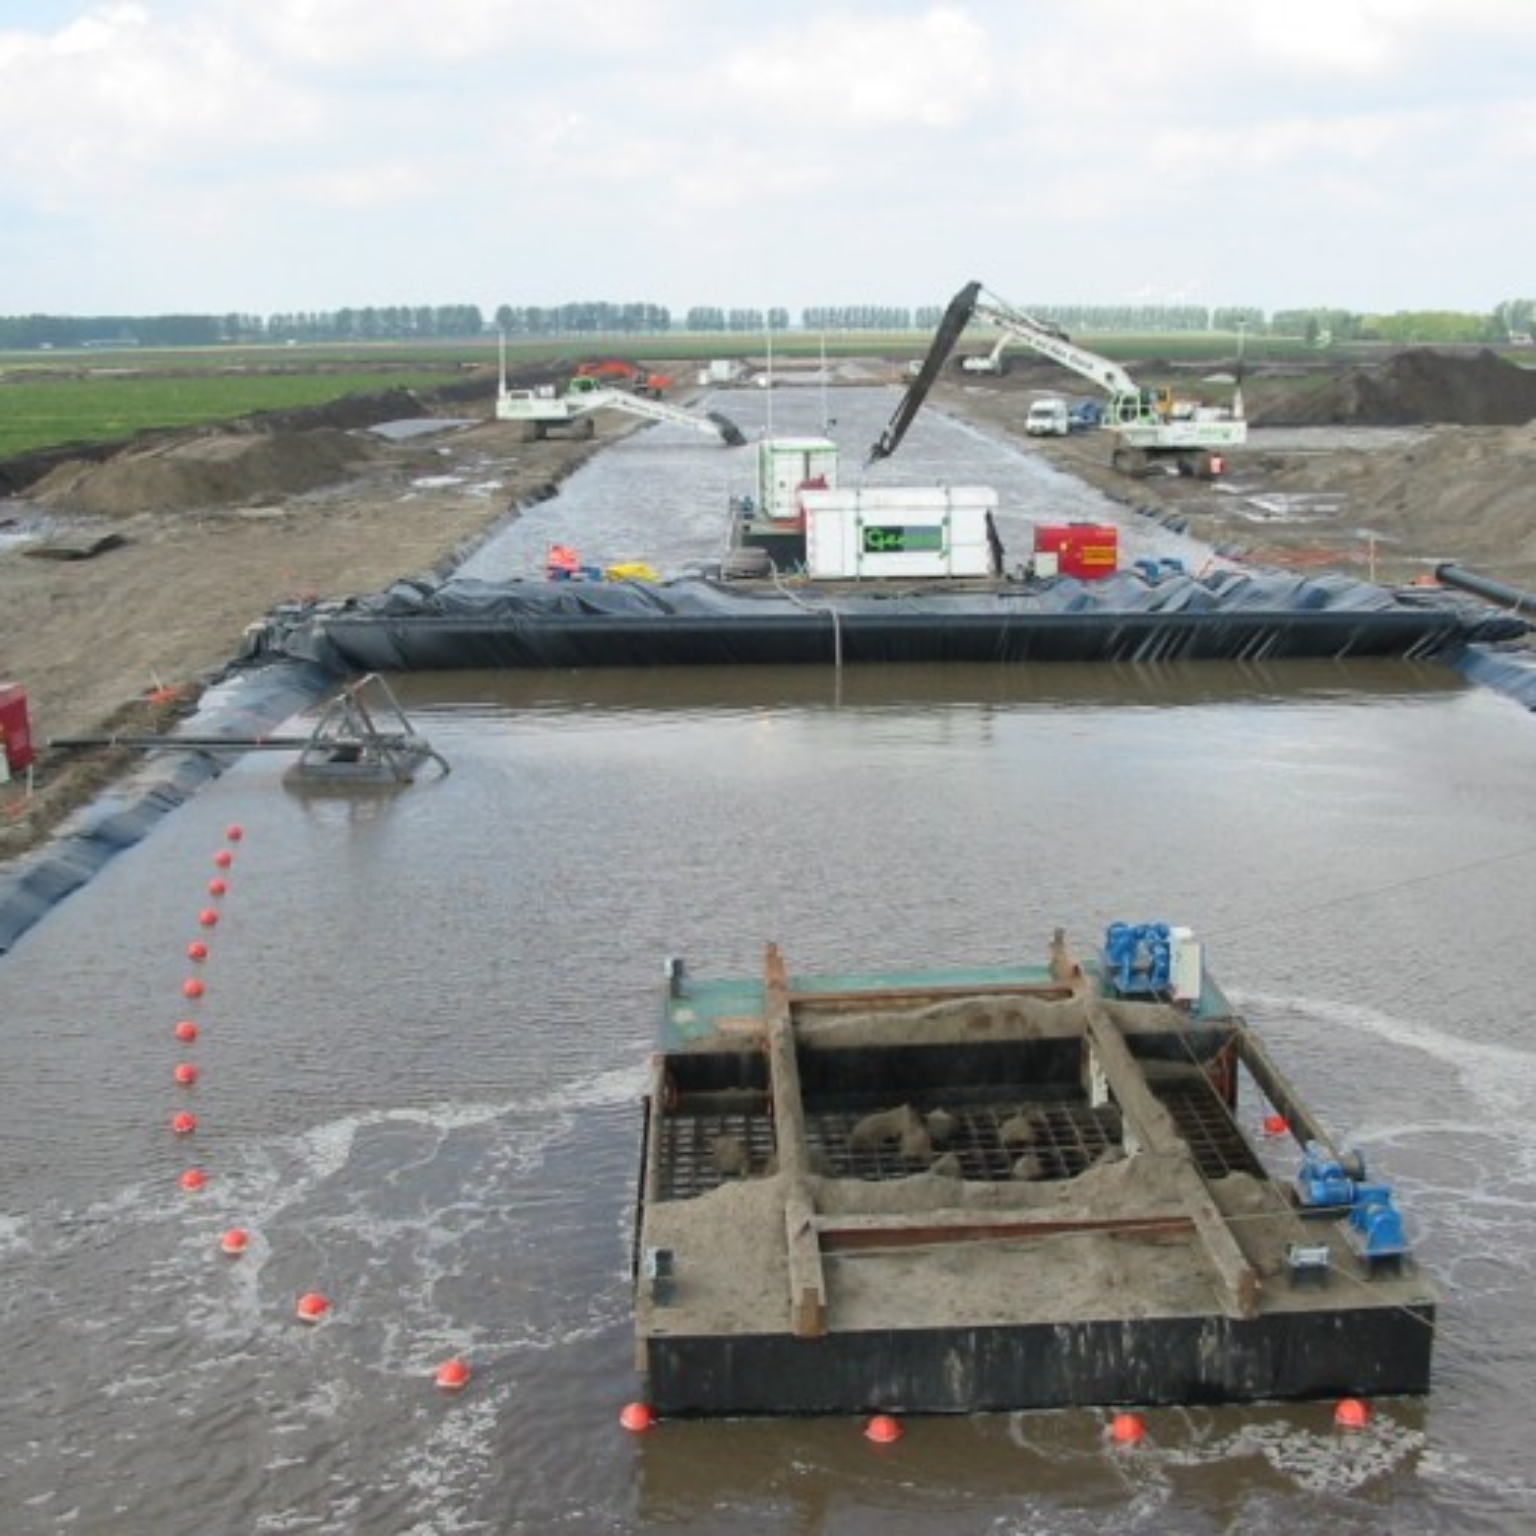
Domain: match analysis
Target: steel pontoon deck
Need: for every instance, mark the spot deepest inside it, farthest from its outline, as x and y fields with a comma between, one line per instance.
x=999, y=1188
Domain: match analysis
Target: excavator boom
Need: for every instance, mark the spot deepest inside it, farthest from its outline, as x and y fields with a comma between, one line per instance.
x=954, y=321
x=1148, y=423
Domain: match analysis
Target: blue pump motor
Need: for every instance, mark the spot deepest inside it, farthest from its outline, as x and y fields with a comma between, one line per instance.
x=1321, y=1179
x=1138, y=957
x=1376, y=1225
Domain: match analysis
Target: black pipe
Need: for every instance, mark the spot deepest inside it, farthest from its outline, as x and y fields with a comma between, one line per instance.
x=1486, y=586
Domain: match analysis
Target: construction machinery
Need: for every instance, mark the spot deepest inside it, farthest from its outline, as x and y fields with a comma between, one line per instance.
x=363, y=740
x=543, y=410
x=1151, y=427
x=622, y=375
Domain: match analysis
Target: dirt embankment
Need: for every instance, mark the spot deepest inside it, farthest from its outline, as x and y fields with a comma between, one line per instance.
x=1385, y=471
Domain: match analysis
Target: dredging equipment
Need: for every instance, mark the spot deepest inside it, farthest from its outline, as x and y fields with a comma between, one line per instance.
x=1001, y=1187
x=362, y=739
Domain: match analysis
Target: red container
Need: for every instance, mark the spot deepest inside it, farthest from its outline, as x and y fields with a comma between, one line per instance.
x=15, y=729
x=1084, y=550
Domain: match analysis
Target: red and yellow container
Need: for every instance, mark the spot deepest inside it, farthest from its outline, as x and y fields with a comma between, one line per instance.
x=1084, y=550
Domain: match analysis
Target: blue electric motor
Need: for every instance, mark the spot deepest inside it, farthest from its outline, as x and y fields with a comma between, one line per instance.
x=1376, y=1225
x=1138, y=957
x=1321, y=1179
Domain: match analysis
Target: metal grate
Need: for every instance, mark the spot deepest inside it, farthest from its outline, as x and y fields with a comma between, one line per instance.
x=1207, y=1125
x=987, y=1141
x=700, y=1149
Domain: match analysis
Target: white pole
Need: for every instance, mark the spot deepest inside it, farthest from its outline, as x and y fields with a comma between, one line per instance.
x=826, y=415
x=769, y=333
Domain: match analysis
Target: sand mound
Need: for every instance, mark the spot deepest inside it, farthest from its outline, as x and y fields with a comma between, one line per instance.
x=210, y=469
x=1418, y=387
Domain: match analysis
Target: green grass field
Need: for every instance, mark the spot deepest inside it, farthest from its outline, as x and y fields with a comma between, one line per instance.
x=40, y=410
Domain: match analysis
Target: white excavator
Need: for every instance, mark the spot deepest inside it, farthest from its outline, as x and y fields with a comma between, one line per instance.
x=545, y=410
x=1150, y=426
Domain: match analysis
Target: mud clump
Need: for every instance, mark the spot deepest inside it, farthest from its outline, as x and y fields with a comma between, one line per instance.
x=212, y=469
x=1417, y=387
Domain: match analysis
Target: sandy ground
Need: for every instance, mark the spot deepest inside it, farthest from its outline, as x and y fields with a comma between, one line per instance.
x=218, y=528
x=1386, y=502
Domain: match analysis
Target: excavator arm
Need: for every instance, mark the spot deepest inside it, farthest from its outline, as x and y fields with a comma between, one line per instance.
x=1052, y=342
x=954, y=321
x=1148, y=424
x=973, y=303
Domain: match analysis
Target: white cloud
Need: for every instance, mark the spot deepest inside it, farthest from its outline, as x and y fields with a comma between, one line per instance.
x=931, y=70
x=267, y=156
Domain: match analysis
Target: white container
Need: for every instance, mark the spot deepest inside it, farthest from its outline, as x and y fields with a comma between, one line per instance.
x=874, y=532
x=787, y=466
x=1186, y=965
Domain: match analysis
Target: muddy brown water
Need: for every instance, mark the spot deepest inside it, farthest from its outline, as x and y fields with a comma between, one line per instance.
x=423, y=1040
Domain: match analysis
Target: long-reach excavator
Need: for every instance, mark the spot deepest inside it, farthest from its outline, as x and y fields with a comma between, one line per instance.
x=1150, y=426
x=543, y=412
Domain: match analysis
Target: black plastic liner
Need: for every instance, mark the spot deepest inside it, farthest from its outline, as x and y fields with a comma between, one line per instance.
x=700, y=622
x=122, y=815
x=1508, y=673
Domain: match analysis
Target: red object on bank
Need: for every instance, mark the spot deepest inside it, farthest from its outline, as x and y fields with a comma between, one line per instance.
x=15, y=728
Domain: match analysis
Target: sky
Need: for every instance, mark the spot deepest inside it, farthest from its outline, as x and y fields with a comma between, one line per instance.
x=268, y=156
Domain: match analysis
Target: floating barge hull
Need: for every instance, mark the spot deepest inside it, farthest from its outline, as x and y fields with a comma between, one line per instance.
x=992, y=1190
x=697, y=622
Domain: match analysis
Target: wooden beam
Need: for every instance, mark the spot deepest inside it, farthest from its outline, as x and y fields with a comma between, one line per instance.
x=1276, y=1087
x=1157, y=1135
x=807, y=1278
x=933, y=1229
x=915, y=996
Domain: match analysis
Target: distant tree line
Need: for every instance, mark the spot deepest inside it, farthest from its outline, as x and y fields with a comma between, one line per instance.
x=386, y=323
x=584, y=318
x=736, y=321
x=1511, y=319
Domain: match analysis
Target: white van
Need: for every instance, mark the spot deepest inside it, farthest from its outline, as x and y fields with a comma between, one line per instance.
x=1048, y=418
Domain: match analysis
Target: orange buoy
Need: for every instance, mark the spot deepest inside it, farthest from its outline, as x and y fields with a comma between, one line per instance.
x=216, y=887
x=1275, y=1125
x=223, y=858
x=452, y=1375
x=1351, y=1413
x=208, y=918
x=185, y=1031
x=184, y=1123
x=1127, y=1429
x=193, y=1179
x=185, y=1073
x=234, y=832
x=882, y=1429
x=312, y=1306
x=192, y=987
x=637, y=1417
x=197, y=950
x=233, y=1242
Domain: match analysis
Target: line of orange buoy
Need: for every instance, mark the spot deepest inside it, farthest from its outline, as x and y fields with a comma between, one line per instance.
x=312, y=1307
x=185, y=1073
